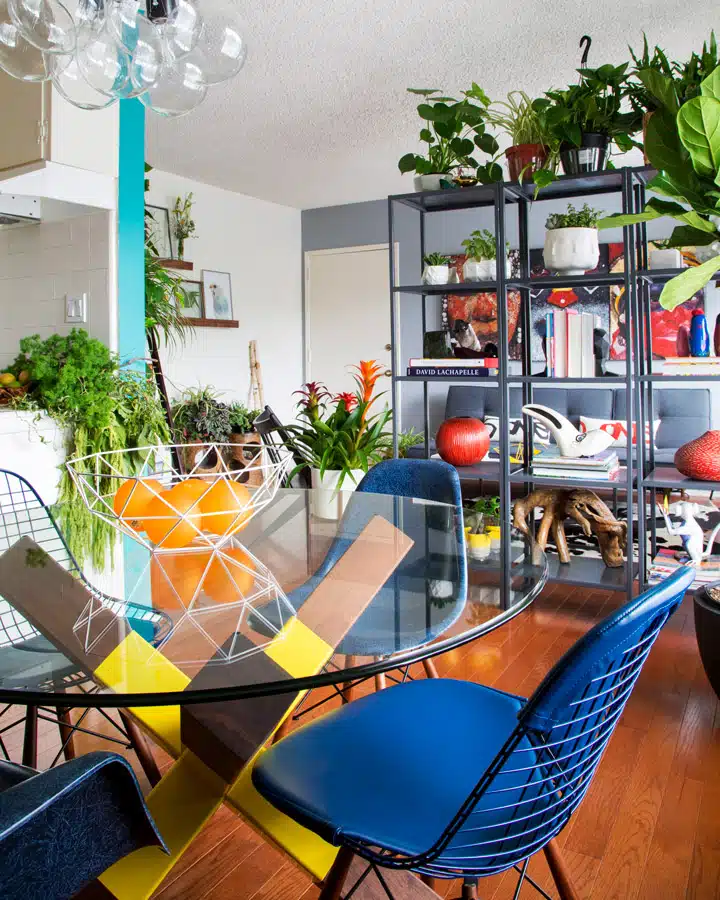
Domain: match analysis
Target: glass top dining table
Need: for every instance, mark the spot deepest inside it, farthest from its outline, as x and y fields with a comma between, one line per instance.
x=297, y=600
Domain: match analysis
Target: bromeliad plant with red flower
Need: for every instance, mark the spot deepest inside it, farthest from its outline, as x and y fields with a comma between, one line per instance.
x=340, y=432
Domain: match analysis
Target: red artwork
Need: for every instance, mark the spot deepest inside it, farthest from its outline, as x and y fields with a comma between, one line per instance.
x=666, y=325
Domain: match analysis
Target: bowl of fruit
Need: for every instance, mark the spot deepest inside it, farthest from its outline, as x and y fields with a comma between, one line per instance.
x=148, y=494
x=13, y=385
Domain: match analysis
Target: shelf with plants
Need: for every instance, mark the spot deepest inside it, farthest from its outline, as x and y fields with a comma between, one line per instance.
x=541, y=380
x=440, y=289
x=454, y=379
x=525, y=476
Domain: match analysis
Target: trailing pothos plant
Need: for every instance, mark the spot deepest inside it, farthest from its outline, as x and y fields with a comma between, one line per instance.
x=338, y=431
x=682, y=141
x=104, y=408
x=454, y=131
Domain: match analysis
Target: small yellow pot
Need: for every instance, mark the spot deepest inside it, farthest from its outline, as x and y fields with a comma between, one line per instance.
x=478, y=544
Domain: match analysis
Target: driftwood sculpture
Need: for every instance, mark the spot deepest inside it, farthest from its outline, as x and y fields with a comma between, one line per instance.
x=586, y=508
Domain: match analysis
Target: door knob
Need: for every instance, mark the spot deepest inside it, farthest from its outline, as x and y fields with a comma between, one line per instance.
x=388, y=373
x=388, y=347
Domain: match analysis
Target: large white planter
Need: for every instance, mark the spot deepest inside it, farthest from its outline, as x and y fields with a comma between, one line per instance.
x=571, y=251
x=436, y=275
x=482, y=269
x=328, y=501
x=430, y=182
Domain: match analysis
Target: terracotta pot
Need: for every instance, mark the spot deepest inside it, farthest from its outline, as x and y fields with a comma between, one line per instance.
x=462, y=441
x=529, y=157
x=700, y=459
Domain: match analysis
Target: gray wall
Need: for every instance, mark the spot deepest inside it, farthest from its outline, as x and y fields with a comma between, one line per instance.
x=367, y=223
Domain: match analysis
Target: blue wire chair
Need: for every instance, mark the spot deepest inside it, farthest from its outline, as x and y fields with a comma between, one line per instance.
x=370, y=777
x=23, y=650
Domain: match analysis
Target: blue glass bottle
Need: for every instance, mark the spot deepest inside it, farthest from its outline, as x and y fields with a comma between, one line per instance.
x=699, y=335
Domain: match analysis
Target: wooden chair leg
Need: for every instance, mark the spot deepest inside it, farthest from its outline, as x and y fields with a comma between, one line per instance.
x=469, y=891
x=282, y=730
x=333, y=884
x=29, y=754
x=560, y=872
x=66, y=731
x=141, y=746
x=431, y=882
x=348, y=691
x=430, y=670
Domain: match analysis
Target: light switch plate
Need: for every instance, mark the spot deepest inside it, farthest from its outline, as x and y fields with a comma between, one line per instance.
x=75, y=309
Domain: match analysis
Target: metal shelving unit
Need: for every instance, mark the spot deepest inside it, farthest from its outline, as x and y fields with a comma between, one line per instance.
x=630, y=184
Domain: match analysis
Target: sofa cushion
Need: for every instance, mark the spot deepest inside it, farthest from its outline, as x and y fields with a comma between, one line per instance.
x=684, y=414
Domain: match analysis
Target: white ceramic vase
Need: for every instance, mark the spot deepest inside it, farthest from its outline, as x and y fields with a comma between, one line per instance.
x=328, y=501
x=666, y=259
x=571, y=251
x=430, y=182
x=436, y=275
x=482, y=269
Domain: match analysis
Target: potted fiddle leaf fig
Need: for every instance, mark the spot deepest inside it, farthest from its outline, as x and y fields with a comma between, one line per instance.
x=571, y=241
x=683, y=143
x=453, y=130
x=481, y=262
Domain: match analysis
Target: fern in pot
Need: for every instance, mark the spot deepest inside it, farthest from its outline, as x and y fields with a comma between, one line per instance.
x=481, y=252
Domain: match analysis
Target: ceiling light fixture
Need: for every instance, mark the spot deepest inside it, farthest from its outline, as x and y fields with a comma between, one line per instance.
x=165, y=52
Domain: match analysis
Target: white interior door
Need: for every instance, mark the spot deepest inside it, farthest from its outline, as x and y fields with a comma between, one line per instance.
x=347, y=314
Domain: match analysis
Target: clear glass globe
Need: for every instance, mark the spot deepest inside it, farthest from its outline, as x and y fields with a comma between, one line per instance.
x=46, y=24
x=104, y=64
x=221, y=50
x=124, y=19
x=89, y=17
x=182, y=30
x=180, y=89
x=17, y=57
x=70, y=82
x=147, y=60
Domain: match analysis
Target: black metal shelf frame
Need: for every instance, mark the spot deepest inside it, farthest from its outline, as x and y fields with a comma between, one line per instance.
x=637, y=379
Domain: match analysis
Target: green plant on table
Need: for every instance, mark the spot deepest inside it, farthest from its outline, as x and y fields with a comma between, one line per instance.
x=199, y=416
x=81, y=385
x=340, y=432
x=242, y=418
x=436, y=259
x=585, y=217
x=183, y=224
x=683, y=143
x=482, y=513
x=481, y=245
x=406, y=440
x=454, y=131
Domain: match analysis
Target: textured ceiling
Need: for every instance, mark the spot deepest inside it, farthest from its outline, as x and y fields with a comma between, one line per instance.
x=319, y=115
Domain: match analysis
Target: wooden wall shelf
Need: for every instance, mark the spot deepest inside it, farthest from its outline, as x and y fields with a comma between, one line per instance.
x=212, y=323
x=176, y=264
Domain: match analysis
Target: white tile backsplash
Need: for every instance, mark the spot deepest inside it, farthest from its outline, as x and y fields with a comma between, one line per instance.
x=39, y=264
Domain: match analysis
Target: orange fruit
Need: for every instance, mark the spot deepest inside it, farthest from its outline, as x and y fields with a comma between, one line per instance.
x=226, y=507
x=191, y=488
x=226, y=580
x=174, y=578
x=168, y=521
x=132, y=499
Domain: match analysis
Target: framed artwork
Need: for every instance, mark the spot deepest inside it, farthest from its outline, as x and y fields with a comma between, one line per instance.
x=665, y=324
x=217, y=292
x=158, y=221
x=194, y=305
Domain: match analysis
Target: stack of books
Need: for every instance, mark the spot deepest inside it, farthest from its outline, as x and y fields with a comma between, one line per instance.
x=603, y=466
x=665, y=563
x=448, y=368
x=569, y=344
x=692, y=365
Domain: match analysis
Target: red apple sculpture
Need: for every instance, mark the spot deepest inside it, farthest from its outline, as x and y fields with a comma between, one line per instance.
x=700, y=459
x=462, y=441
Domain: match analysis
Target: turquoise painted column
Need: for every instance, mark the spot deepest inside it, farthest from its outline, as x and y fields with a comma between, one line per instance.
x=131, y=288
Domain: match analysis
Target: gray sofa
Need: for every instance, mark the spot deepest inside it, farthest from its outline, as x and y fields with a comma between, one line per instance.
x=684, y=413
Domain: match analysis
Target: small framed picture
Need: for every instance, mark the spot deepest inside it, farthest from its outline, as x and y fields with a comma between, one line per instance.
x=158, y=221
x=217, y=295
x=194, y=305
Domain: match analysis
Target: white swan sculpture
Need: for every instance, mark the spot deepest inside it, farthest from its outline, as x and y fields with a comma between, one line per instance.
x=569, y=440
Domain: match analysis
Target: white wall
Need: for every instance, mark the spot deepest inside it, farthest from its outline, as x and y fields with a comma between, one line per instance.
x=87, y=139
x=259, y=244
x=39, y=264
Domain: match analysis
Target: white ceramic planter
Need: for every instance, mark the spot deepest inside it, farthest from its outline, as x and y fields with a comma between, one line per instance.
x=571, y=251
x=666, y=259
x=482, y=269
x=436, y=275
x=328, y=501
x=430, y=182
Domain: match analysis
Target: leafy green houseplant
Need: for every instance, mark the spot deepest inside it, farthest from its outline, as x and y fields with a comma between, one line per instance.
x=436, y=269
x=199, y=417
x=585, y=217
x=453, y=131
x=436, y=259
x=683, y=143
x=183, y=224
x=340, y=436
x=571, y=240
x=482, y=513
x=105, y=409
x=242, y=418
x=481, y=252
x=590, y=115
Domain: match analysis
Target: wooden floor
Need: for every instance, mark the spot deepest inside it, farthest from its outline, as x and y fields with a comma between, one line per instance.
x=649, y=828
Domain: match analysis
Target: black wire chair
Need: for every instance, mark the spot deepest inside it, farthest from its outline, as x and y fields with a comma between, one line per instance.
x=29, y=660
x=276, y=438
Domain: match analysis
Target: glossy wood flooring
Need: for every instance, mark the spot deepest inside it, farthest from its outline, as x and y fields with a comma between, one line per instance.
x=649, y=828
